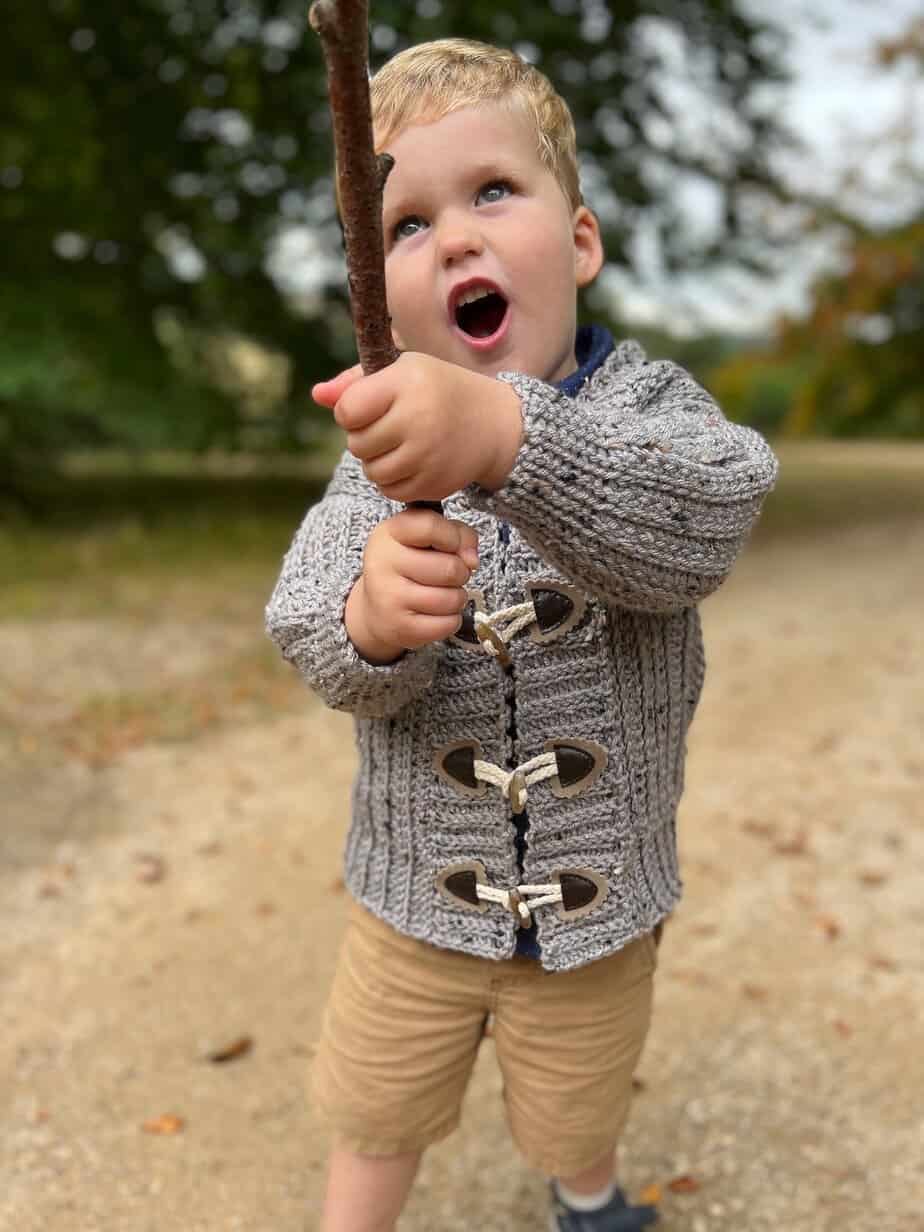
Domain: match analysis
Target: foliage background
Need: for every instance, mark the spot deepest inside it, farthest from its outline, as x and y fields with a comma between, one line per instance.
x=171, y=275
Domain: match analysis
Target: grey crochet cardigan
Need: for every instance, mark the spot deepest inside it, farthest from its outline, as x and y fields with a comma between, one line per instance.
x=627, y=504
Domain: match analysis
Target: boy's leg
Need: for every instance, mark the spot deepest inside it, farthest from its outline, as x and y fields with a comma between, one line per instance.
x=568, y=1044
x=402, y=1028
x=366, y=1193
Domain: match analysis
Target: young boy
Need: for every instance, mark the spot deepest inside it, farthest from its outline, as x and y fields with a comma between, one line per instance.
x=540, y=643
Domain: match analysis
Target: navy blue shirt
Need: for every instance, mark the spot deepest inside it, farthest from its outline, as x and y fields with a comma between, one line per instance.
x=592, y=345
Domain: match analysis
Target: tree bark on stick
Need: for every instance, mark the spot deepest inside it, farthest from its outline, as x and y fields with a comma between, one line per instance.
x=343, y=27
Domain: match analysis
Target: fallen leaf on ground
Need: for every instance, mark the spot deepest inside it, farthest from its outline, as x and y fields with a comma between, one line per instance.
x=829, y=926
x=881, y=963
x=795, y=846
x=844, y=1029
x=638, y=1084
x=239, y=1048
x=151, y=867
x=163, y=1125
x=337, y=886
x=872, y=877
x=650, y=1195
x=754, y=992
x=684, y=1184
x=762, y=829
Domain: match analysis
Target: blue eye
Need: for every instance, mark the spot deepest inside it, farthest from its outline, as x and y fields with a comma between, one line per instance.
x=495, y=191
x=408, y=226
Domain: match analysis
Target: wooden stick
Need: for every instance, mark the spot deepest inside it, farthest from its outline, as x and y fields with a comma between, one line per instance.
x=343, y=26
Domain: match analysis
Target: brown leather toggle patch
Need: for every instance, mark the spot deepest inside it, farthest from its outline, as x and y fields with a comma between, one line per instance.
x=455, y=763
x=458, y=883
x=558, y=606
x=466, y=632
x=465, y=636
x=580, y=764
x=581, y=891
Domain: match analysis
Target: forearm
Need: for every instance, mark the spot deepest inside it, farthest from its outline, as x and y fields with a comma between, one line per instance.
x=642, y=492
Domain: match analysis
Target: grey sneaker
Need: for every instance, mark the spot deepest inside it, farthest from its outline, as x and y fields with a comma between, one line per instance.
x=616, y=1216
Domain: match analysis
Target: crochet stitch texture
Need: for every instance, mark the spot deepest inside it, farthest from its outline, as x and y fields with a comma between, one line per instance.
x=640, y=493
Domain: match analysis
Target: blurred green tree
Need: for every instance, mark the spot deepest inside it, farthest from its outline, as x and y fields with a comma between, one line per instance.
x=165, y=181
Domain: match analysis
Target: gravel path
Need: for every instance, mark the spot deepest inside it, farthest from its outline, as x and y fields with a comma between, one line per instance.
x=166, y=901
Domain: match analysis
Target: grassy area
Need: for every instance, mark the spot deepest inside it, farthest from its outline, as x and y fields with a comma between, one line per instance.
x=121, y=543
x=130, y=543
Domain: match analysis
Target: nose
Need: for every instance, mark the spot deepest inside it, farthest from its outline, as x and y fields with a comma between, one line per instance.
x=458, y=237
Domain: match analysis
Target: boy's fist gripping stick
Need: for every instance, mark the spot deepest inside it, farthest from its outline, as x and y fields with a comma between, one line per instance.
x=408, y=594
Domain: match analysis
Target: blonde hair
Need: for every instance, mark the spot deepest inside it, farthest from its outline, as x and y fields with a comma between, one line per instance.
x=424, y=83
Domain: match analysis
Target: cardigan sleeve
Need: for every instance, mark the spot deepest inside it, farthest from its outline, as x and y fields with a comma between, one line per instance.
x=305, y=614
x=638, y=488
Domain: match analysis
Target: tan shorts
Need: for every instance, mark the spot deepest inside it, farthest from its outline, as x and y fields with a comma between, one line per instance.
x=403, y=1026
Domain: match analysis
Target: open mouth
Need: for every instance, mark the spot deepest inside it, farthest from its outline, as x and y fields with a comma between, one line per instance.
x=480, y=312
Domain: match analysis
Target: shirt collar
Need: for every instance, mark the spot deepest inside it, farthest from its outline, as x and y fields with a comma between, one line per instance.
x=592, y=344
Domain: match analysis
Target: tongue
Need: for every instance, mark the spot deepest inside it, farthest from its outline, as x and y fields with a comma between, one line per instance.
x=482, y=318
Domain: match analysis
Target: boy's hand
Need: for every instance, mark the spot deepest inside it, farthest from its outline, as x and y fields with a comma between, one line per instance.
x=424, y=428
x=408, y=594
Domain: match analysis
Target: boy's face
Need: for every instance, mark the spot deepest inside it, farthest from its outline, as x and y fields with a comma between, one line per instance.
x=483, y=254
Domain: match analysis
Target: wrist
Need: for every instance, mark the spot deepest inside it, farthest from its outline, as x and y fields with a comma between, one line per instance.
x=507, y=419
x=375, y=650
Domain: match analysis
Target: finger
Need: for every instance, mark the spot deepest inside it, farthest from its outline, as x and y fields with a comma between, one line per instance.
x=363, y=400
x=468, y=546
x=328, y=393
x=427, y=567
x=422, y=528
x=393, y=474
x=433, y=600
x=370, y=443
x=425, y=629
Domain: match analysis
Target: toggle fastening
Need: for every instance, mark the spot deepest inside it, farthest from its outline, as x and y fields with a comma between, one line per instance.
x=552, y=609
x=574, y=891
x=573, y=764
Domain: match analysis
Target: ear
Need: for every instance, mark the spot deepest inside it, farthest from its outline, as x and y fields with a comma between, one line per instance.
x=588, y=246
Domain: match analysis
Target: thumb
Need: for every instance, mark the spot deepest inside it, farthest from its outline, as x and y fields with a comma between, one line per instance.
x=328, y=393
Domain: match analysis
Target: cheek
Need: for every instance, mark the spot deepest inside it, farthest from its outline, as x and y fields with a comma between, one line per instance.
x=402, y=291
x=547, y=253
